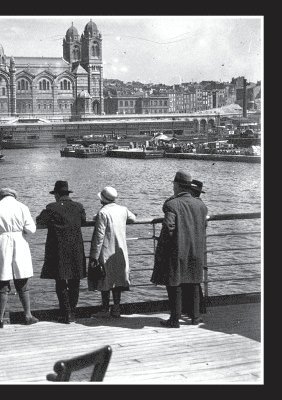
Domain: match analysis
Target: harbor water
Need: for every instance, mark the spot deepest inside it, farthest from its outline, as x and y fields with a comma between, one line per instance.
x=142, y=185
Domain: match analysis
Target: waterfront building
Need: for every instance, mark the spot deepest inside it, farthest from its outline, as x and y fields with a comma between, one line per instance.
x=138, y=103
x=66, y=86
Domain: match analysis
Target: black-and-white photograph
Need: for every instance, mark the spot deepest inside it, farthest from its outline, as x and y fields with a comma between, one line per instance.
x=131, y=200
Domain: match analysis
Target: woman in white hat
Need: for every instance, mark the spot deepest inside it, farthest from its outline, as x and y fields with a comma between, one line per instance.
x=109, y=248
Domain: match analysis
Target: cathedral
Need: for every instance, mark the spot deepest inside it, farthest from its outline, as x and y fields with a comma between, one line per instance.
x=69, y=86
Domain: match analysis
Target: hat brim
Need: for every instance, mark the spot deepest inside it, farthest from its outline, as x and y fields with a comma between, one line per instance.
x=61, y=191
x=102, y=198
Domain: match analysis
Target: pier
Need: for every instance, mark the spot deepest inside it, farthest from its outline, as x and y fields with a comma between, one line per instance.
x=226, y=348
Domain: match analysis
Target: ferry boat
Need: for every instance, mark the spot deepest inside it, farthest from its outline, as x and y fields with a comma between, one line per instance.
x=225, y=349
x=69, y=150
x=80, y=151
x=135, y=153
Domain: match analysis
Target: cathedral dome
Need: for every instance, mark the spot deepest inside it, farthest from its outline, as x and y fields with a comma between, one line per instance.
x=71, y=32
x=90, y=28
x=84, y=95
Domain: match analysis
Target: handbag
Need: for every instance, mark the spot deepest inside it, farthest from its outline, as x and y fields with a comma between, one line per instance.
x=96, y=271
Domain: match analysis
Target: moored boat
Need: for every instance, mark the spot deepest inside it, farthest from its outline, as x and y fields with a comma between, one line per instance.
x=91, y=151
x=69, y=150
x=140, y=153
x=80, y=151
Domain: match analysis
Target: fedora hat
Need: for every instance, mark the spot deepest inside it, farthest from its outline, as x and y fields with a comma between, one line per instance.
x=8, y=192
x=197, y=186
x=183, y=178
x=108, y=194
x=61, y=187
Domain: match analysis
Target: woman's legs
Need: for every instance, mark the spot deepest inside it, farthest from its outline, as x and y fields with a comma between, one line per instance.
x=115, y=310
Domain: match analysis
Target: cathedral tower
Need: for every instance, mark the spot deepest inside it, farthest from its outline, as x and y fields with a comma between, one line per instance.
x=91, y=61
x=72, y=46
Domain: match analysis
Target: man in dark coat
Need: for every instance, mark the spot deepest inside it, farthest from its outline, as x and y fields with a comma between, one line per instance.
x=180, y=253
x=64, y=250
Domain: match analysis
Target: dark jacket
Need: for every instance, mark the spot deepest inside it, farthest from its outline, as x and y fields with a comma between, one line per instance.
x=64, y=249
x=180, y=252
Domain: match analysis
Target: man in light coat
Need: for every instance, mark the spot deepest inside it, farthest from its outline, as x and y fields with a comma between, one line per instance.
x=180, y=253
x=108, y=247
x=15, y=257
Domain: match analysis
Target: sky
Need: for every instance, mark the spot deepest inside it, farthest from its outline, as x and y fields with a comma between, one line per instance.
x=158, y=49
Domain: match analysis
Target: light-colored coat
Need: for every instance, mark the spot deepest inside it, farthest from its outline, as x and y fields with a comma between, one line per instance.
x=15, y=223
x=109, y=246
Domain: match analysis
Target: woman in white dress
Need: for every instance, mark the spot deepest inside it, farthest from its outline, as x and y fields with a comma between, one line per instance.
x=109, y=248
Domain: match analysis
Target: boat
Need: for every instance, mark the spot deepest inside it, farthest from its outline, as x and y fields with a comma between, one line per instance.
x=91, y=151
x=80, y=151
x=141, y=153
x=69, y=150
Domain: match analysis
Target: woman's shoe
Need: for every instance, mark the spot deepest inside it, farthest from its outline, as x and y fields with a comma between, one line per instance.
x=197, y=321
x=115, y=311
x=1, y=323
x=170, y=324
x=31, y=320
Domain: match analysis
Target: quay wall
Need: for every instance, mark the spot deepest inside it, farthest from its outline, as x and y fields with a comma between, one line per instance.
x=215, y=157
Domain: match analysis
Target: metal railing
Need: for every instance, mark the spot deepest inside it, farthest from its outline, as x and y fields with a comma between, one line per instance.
x=209, y=276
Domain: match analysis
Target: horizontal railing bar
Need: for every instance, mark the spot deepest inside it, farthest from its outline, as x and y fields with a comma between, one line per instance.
x=234, y=279
x=229, y=265
x=215, y=217
x=225, y=217
x=234, y=233
x=233, y=249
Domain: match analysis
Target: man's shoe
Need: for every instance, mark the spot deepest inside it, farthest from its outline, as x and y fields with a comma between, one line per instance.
x=196, y=321
x=1, y=323
x=115, y=311
x=30, y=321
x=170, y=324
x=63, y=320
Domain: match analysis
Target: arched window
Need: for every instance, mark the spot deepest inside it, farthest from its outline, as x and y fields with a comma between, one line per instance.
x=44, y=85
x=65, y=84
x=38, y=106
x=3, y=91
x=23, y=84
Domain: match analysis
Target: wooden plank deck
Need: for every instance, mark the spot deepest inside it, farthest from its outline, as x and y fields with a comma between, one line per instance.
x=226, y=349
